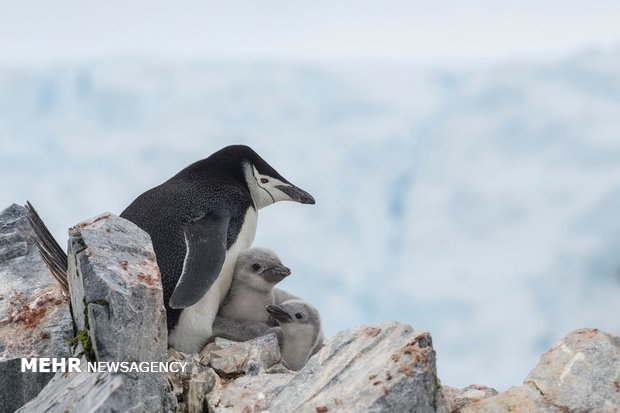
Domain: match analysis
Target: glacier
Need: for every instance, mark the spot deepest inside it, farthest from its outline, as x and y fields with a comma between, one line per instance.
x=479, y=203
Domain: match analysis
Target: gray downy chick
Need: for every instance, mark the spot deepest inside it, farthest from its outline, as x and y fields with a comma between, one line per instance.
x=256, y=273
x=300, y=325
x=242, y=314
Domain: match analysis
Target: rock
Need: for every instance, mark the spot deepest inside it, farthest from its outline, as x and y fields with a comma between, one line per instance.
x=98, y=392
x=35, y=320
x=251, y=357
x=77, y=392
x=191, y=387
x=116, y=290
x=228, y=358
x=457, y=399
x=117, y=302
x=581, y=373
x=522, y=399
x=249, y=393
x=390, y=367
x=201, y=382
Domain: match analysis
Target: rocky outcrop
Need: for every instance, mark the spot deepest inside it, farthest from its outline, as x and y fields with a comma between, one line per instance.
x=116, y=291
x=232, y=359
x=98, y=392
x=221, y=361
x=389, y=367
x=458, y=399
x=117, y=302
x=119, y=316
x=35, y=320
x=581, y=373
x=191, y=386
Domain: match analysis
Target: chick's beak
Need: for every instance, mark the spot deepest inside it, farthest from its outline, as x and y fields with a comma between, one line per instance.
x=278, y=313
x=277, y=273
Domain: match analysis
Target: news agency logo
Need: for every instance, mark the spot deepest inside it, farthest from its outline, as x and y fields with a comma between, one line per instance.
x=72, y=364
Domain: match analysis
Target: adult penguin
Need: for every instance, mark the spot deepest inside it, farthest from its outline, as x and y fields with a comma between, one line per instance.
x=199, y=220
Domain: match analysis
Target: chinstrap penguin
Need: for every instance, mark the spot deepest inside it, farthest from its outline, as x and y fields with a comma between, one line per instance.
x=301, y=334
x=199, y=220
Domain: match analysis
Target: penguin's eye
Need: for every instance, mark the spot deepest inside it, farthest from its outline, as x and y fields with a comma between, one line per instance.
x=256, y=267
x=298, y=316
x=264, y=180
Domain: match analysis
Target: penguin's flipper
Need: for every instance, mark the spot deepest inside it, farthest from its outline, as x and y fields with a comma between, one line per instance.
x=205, y=242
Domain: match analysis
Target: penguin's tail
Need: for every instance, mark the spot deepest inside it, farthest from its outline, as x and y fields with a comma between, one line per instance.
x=53, y=255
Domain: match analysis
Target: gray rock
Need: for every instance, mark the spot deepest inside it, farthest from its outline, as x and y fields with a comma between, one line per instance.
x=581, y=372
x=98, y=392
x=249, y=393
x=76, y=392
x=522, y=399
x=191, y=387
x=457, y=399
x=116, y=290
x=35, y=320
x=201, y=382
x=390, y=367
x=251, y=357
x=118, y=307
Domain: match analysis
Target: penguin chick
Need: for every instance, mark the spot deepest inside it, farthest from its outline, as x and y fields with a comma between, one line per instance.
x=301, y=331
x=256, y=272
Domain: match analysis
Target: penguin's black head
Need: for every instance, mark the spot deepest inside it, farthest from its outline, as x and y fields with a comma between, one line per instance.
x=266, y=185
x=240, y=163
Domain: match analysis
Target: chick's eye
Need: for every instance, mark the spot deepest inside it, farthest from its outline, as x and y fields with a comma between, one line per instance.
x=264, y=180
x=256, y=267
x=298, y=316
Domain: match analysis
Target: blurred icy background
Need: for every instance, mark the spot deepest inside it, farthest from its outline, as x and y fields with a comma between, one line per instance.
x=465, y=162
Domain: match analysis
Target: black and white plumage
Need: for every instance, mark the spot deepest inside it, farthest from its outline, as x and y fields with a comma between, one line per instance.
x=199, y=220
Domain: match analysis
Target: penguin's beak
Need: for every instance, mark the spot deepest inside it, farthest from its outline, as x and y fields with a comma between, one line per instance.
x=279, y=314
x=296, y=194
x=277, y=273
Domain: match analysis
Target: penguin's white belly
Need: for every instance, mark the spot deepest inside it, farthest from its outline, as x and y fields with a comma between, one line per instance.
x=194, y=326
